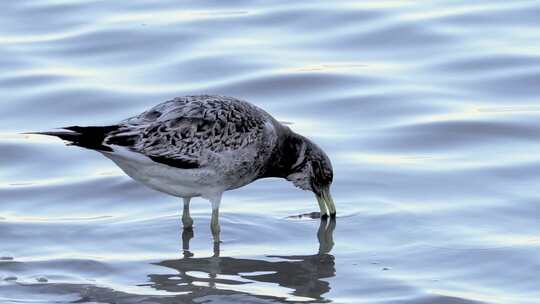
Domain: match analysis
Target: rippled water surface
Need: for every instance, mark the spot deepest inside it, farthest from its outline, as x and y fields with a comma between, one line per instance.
x=429, y=111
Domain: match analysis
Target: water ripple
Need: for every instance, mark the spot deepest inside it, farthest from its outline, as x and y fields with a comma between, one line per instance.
x=429, y=112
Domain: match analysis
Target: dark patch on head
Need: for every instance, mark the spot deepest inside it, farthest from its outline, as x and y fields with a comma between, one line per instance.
x=322, y=174
x=285, y=157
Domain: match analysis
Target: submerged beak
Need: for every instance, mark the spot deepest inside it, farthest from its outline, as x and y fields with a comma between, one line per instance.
x=326, y=203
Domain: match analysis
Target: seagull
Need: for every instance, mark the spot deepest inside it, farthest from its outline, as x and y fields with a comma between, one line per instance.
x=204, y=145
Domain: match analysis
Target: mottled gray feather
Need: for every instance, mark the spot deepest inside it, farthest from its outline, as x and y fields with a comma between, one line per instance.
x=179, y=131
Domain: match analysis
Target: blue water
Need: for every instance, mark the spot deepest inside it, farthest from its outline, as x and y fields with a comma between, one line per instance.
x=429, y=111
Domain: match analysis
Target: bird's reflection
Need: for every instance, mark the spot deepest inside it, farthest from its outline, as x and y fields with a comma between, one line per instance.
x=226, y=275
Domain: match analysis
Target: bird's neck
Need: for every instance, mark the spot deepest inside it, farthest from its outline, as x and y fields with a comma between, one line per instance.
x=287, y=155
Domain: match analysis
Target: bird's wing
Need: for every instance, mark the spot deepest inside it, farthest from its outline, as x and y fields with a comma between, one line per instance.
x=180, y=131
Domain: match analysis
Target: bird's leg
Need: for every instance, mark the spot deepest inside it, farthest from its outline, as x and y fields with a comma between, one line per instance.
x=216, y=249
x=214, y=224
x=187, y=221
x=187, y=235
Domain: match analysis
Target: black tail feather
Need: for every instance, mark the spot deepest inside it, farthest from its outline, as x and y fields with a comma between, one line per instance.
x=86, y=137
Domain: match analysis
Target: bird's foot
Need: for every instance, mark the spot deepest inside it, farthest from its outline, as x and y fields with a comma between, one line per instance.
x=187, y=235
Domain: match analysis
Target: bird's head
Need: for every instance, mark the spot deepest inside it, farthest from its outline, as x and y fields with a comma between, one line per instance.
x=313, y=171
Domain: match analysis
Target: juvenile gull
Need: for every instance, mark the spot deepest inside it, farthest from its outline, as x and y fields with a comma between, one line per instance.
x=201, y=146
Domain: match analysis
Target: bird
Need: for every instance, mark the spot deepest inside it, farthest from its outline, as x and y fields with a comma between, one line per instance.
x=203, y=145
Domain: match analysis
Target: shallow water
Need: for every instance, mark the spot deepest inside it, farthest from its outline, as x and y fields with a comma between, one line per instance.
x=429, y=112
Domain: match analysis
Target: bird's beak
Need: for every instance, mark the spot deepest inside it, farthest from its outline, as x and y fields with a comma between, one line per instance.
x=326, y=203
